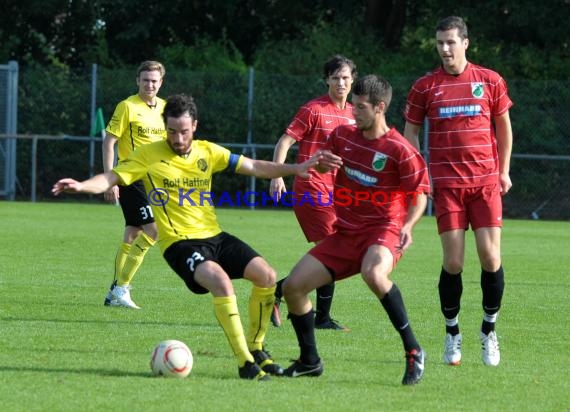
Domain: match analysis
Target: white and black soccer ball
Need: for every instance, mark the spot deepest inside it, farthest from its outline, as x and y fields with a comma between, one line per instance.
x=171, y=358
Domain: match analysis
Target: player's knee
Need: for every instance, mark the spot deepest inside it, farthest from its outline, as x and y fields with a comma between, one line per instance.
x=377, y=281
x=490, y=262
x=293, y=287
x=265, y=279
x=131, y=233
x=267, y=275
x=453, y=266
x=260, y=273
x=151, y=231
x=271, y=276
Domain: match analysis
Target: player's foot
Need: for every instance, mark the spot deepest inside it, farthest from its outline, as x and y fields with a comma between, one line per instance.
x=252, y=371
x=122, y=297
x=415, y=362
x=266, y=363
x=275, y=316
x=452, y=349
x=490, y=349
x=330, y=324
x=109, y=297
x=298, y=369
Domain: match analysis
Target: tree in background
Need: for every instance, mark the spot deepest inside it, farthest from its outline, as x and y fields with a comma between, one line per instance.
x=52, y=32
x=521, y=38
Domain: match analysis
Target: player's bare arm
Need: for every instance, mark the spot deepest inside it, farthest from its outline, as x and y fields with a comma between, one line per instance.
x=97, y=184
x=277, y=185
x=504, y=135
x=108, y=148
x=415, y=212
x=412, y=133
x=270, y=170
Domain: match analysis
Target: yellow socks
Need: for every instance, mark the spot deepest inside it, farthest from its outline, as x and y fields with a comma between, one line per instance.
x=227, y=313
x=120, y=259
x=133, y=260
x=260, y=307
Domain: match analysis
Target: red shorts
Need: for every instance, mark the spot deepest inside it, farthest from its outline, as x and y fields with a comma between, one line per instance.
x=457, y=208
x=316, y=215
x=342, y=252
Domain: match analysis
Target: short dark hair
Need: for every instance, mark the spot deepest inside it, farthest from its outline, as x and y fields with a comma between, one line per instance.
x=179, y=104
x=453, y=22
x=377, y=88
x=335, y=63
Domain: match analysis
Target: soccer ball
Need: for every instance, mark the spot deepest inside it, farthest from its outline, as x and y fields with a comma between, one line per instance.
x=171, y=358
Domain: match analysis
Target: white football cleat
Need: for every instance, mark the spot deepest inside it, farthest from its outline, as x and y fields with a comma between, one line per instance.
x=452, y=349
x=122, y=297
x=490, y=349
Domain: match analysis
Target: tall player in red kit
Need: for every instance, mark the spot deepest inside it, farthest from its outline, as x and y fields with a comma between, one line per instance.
x=312, y=205
x=470, y=144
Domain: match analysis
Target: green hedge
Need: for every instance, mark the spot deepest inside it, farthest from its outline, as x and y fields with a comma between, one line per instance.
x=57, y=102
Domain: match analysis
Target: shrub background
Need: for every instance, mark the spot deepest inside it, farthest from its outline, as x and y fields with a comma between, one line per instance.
x=55, y=99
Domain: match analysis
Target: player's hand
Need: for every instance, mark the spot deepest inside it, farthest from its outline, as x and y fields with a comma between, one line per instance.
x=326, y=160
x=67, y=185
x=505, y=182
x=303, y=168
x=322, y=161
x=406, y=239
x=277, y=188
x=112, y=195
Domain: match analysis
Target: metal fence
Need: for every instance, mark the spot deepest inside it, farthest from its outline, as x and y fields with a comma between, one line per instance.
x=8, y=116
x=247, y=112
x=539, y=181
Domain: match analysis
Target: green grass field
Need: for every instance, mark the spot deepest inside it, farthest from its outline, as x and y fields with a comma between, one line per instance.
x=62, y=350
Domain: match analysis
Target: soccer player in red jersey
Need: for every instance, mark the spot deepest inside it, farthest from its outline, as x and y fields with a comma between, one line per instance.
x=470, y=144
x=383, y=180
x=312, y=205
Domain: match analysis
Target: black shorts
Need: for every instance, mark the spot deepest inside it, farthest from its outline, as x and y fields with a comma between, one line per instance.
x=231, y=253
x=135, y=206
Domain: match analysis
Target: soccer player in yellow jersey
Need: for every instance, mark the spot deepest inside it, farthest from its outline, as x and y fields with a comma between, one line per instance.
x=177, y=174
x=137, y=121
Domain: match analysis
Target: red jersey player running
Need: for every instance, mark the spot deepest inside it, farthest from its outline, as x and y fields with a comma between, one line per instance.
x=470, y=143
x=310, y=128
x=383, y=181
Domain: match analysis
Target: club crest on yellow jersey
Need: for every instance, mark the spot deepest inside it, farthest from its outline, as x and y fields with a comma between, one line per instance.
x=202, y=165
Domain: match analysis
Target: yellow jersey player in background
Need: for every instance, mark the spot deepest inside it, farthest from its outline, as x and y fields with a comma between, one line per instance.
x=177, y=174
x=137, y=121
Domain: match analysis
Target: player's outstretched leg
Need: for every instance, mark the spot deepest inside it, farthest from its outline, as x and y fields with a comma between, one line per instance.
x=120, y=259
x=393, y=304
x=259, y=308
x=415, y=363
x=309, y=362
